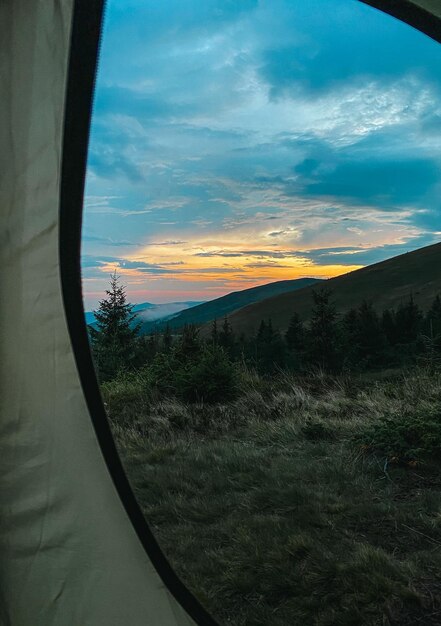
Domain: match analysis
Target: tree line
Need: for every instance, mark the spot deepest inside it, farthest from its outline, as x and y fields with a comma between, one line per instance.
x=358, y=340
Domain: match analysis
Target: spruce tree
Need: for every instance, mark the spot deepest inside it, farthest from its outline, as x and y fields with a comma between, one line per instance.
x=409, y=320
x=349, y=328
x=432, y=338
x=214, y=332
x=370, y=338
x=190, y=345
x=433, y=319
x=294, y=336
x=389, y=326
x=350, y=324
x=266, y=333
x=114, y=339
x=167, y=338
x=151, y=346
x=270, y=348
x=323, y=330
x=261, y=333
x=226, y=335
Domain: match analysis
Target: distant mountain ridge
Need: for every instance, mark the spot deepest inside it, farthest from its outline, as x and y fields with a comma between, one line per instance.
x=385, y=284
x=236, y=300
x=149, y=312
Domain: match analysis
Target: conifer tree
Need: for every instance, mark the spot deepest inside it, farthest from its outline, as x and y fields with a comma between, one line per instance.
x=226, y=335
x=349, y=327
x=261, y=333
x=190, y=345
x=433, y=318
x=266, y=332
x=167, y=338
x=323, y=330
x=431, y=339
x=270, y=334
x=389, y=326
x=294, y=336
x=114, y=339
x=270, y=348
x=369, y=337
x=214, y=332
x=350, y=324
x=151, y=347
x=408, y=321
x=243, y=344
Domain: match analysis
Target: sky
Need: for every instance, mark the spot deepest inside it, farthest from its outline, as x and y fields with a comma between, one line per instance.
x=240, y=142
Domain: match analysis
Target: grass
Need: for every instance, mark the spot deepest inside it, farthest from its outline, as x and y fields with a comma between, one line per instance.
x=272, y=512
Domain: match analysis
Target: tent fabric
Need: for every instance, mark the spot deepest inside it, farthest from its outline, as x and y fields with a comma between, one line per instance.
x=432, y=7
x=69, y=554
x=425, y=15
x=73, y=550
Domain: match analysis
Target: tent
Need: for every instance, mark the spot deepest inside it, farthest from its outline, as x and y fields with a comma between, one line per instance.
x=75, y=548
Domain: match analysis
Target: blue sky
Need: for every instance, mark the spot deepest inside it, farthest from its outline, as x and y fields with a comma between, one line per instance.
x=238, y=142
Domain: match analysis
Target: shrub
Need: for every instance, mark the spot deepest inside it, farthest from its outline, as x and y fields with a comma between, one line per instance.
x=407, y=437
x=208, y=377
x=128, y=396
x=163, y=372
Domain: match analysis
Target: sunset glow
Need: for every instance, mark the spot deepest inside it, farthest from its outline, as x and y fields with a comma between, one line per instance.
x=239, y=143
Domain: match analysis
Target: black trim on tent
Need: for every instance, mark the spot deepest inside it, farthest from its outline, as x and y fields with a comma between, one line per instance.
x=415, y=16
x=84, y=48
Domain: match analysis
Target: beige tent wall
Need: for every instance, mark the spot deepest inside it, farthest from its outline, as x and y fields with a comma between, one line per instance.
x=432, y=6
x=69, y=555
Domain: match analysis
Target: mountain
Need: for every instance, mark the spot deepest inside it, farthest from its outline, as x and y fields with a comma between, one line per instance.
x=385, y=284
x=153, y=318
x=147, y=312
x=226, y=305
x=163, y=311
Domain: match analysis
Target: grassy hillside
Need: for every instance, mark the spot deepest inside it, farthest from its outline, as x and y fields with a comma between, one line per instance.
x=386, y=284
x=226, y=305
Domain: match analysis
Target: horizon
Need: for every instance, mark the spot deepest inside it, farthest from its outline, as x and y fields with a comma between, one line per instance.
x=197, y=302
x=242, y=143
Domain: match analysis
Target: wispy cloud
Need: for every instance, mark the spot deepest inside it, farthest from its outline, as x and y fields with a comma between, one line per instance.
x=274, y=137
x=107, y=241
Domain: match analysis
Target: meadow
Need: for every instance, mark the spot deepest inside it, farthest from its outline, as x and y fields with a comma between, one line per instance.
x=311, y=499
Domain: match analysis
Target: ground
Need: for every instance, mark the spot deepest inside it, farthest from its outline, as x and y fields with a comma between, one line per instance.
x=274, y=512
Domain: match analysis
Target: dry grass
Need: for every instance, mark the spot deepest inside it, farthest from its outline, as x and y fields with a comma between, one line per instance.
x=272, y=514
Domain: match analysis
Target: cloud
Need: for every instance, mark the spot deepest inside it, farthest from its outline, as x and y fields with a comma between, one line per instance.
x=141, y=266
x=262, y=265
x=384, y=180
x=272, y=254
x=326, y=59
x=107, y=241
x=108, y=264
x=108, y=164
x=260, y=132
x=170, y=242
x=219, y=253
x=135, y=104
x=365, y=255
x=291, y=232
